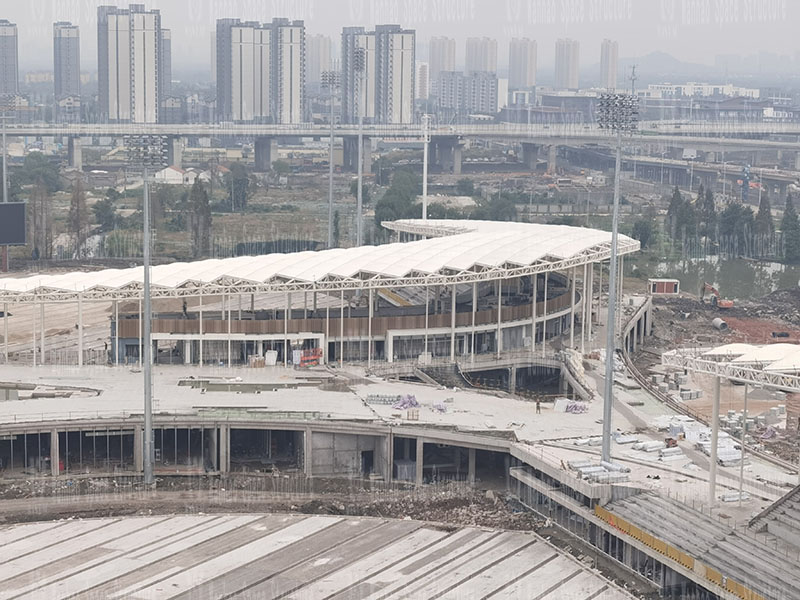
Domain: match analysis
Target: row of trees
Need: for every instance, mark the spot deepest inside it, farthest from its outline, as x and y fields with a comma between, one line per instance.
x=736, y=230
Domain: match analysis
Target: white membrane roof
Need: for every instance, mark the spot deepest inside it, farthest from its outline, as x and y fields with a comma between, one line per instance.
x=454, y=252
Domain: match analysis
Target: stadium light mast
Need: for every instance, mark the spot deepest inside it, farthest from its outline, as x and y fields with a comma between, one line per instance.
x=147, y=151
x=359, y=66
x=331, y=80
x=618, y=113
x=426, y=139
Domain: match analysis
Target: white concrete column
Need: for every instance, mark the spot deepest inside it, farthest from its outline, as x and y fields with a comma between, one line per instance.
x=474, y=310
x=227, y=304
x=389, y=346
x=116, y=332
x=5, y=331
x=453, y=324
x=286, y=329
x=419, y=463
x=187, y=352
x=369, y=330
x=80, y=330
x=327, y=332
x=201, y=330
x=534, y=292
x=426, y=318
x=712, y=475
x=471, y=466
x=619, y=295
x=33, y=334
x=308, y=452
x=598, y=318
x=138, y=449
x=585, y=310
x=41, y=334
x=341, y=332
x=572, y=312
x=80, y=335
x=499, y=334
x=55, y=470
x=224, y=449
x=544, y=316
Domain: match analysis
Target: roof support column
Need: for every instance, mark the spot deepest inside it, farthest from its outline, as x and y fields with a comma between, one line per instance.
x=286, y=329
x=33, y=338
x=544, y=316
x=474, y=308
x=453, y=325
x=499, y=334
x=80, y=334
x=41, y=333
x=572, y=311
x=341, y=332
x=741, y=443
x=584, y=309
x=327, y=332
x=599, y=297
x=5, y=331
x=712, y=475
x=227, y=303
x=369, y=331
x=116, y=332
x=534, y=292
x=201, y=329
x=427, y=303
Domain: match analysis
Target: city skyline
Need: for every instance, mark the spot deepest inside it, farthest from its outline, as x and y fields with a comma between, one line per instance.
x=638, y=29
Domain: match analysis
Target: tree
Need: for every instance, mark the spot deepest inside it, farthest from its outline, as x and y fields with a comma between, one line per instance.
x=78, y=218
x=399, y=200
x=790, y=228
x=675, y=204
x=40, y=222
x=281, y=168
x=498, y=208
x=37, y=168
x=199, y=220
x=736, y=229
x=707, y=214
x=365, y=196
x=643, y=231
x=465, y=187
x=238, y=186
x=764, y=225
x=105, y=214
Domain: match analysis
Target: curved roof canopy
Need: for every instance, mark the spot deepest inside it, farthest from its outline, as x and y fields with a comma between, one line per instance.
x=454, y=252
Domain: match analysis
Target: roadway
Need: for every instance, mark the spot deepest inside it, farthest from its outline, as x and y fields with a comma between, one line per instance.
x=703, y=134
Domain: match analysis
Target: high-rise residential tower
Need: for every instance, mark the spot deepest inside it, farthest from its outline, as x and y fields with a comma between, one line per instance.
x=395, y=51
x=423, y=85
x=522, y=64
x=567, y=61
x=66, y=71
x=165, y=64
x=9, y=59
x=260, y=71
x=609, y=56
x=318, y=58
x=441, y=56
x=128, y=63
x=481, y=55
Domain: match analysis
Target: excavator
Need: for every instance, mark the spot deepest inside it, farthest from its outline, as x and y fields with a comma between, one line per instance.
x=710, y=295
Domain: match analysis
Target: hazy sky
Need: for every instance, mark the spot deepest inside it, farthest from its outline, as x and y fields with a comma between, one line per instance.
x=691, y=30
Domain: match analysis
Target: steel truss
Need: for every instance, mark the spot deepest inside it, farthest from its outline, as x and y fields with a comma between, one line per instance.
x=692, y=360
x=362, y=281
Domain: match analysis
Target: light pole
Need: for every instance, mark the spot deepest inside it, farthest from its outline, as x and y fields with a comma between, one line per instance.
x=359, y=66
x=426, y=139
x=330, y=79
x=618, y=113
x=147, y=151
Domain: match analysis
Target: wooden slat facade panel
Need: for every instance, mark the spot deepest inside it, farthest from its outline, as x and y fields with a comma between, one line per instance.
x=353, y=326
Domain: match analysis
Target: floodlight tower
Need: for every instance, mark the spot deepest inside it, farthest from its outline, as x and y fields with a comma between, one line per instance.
x=331, y=80
x=147, y=151
x=618, y=113
x=359, y=66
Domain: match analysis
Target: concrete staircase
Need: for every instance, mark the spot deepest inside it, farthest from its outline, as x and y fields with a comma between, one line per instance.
x=781, y=519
